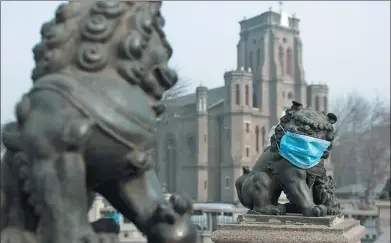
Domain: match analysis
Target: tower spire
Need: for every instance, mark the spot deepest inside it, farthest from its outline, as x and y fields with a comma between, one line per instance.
x=281, y=4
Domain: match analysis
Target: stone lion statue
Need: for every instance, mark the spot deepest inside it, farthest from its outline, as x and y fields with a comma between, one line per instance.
x=87, y=125
x=293, y=164
x=385, y=193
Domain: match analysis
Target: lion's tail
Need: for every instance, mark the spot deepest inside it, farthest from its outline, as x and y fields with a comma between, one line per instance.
x=239, y=183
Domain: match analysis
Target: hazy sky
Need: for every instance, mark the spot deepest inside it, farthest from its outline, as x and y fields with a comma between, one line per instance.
x=345, y=44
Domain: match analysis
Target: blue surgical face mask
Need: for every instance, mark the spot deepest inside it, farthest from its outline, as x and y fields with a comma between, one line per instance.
x=302, y=151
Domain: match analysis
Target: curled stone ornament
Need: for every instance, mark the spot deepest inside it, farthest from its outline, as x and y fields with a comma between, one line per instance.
x=47, y=30
x=144, y=24
x=98, y=28
x=330, y=136
x=133, y=45
x=109, y=8
x=67, y=11
x=39, y=52
x=91, y=57
x=56, y=36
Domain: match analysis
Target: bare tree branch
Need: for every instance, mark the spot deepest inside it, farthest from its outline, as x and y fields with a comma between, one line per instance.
x=179, y=89
x=362, y=131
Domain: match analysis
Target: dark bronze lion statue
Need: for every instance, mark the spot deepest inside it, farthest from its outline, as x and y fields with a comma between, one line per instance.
x=309, y=191
x=386, y=191
x=88, y=124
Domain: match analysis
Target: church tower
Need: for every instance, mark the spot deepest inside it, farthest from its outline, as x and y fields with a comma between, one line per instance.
x=271, y=46
x=238, y=104
x=202, y=143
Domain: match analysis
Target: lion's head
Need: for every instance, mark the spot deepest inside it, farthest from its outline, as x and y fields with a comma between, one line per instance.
x=116, y=38
x=305, y=121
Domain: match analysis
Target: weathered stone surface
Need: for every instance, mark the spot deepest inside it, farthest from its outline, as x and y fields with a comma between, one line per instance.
x=347, y=231
x=290, y=219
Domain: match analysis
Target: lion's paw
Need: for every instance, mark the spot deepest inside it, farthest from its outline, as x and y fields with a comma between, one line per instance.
x=316, y=211
x=269, y=210
x=333, y=211
x=16, y=235
x=252, y=212
x=180, y=204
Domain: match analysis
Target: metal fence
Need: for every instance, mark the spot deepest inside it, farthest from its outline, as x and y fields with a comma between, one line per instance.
x=209, y=219
x=369, y=219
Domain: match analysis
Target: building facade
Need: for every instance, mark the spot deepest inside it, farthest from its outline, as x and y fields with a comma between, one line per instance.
x=206, y=137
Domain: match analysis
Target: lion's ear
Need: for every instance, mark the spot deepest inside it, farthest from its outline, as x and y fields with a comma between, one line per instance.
x=296, y=105
x=246, y=170
x=332, y=118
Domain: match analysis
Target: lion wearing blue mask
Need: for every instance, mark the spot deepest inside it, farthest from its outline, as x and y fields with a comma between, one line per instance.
x=293, y=164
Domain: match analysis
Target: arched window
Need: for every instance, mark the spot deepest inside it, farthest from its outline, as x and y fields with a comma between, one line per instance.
x=281, y=59
x=171, y=165
x=258, y=57
x=237, y=94
x=247, y=95
x=191, y=144
x=263, y=136
x=325, y=104
x=257, y=139
x=255, y=100
x=317, y=105
x=289, y=67
x=290, y=95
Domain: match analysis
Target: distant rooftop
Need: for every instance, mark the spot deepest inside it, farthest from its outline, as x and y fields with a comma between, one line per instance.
x=214, y=95
x=270, y=17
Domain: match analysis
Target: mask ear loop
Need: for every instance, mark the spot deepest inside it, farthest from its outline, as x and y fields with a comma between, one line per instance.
x=281, y=127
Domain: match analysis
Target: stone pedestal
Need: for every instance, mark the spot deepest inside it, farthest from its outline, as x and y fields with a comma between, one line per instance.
x=289, y=229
